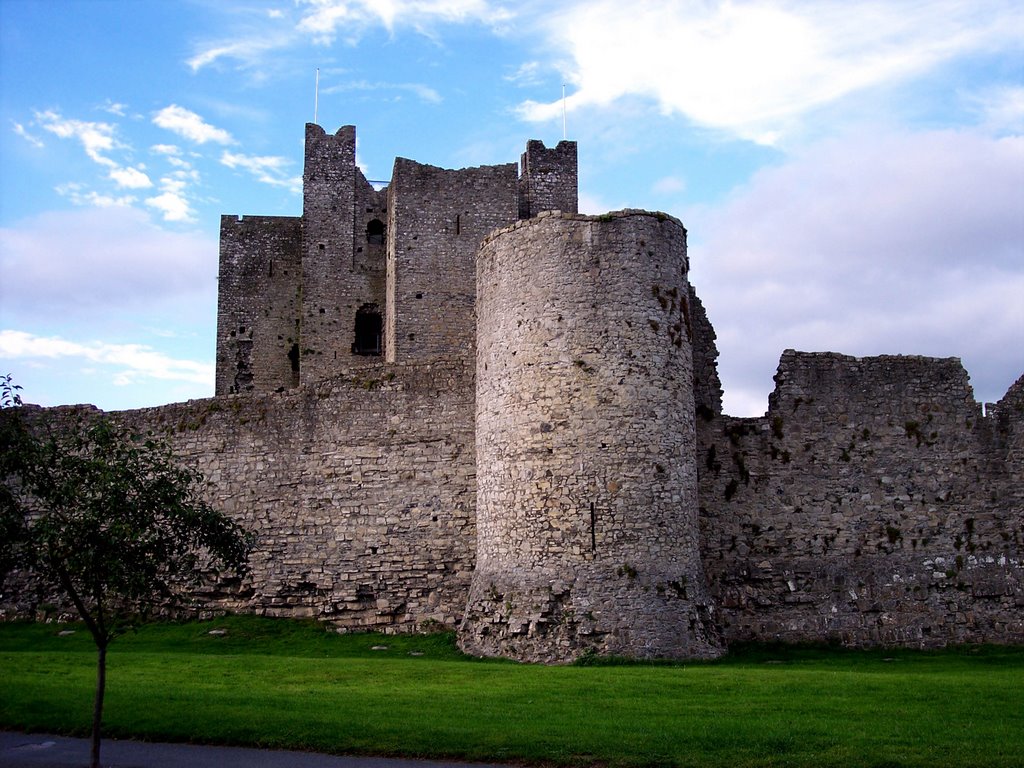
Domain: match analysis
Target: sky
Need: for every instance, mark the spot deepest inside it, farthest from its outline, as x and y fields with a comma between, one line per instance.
x=851, y=175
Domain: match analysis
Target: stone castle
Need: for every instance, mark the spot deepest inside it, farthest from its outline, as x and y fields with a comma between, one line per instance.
x=455, y=402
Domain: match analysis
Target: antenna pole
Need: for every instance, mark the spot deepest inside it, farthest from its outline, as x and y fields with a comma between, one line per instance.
x=563, y=111
x=316, y=95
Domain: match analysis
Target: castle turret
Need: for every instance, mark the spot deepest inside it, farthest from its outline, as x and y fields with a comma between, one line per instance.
x=586, y=475
x=548, y=179
x=342, y=264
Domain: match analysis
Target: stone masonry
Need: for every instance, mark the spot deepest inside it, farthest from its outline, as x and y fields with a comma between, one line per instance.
x=587, y=531
x=454, y=402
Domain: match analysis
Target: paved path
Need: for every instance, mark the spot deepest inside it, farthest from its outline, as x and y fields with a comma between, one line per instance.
x=40, y=750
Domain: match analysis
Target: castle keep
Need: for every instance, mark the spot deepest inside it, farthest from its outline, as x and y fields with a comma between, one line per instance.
x=455, y=402
x=365, y=276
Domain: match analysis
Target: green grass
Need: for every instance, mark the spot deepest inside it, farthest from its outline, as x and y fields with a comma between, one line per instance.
x=294, y=684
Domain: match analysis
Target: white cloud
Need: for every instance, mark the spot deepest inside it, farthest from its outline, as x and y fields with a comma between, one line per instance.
x=325, y=19
x=115, y=108
x=250, y=50
x=133, y=362
x=754, y=68
x=172, y=202
x=72, y=264
x=267, y=170
x=130, y=178
x=23, y=132
x=191, y=126
x=95, y=138
x=528, y=74
x=1001, y=108
x=79, y=195
x=423, y=92
x=907, y=243
x=669, y=185
x=322, y=21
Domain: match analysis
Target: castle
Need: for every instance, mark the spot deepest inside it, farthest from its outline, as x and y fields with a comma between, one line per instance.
x=456, y=402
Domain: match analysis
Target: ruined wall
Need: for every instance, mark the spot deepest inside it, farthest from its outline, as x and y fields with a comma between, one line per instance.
x=874, y=504
x=587, y=496
x=707, y=387
x=360, y=490
x=258, y=303
x=548, y=179
x=437, y=219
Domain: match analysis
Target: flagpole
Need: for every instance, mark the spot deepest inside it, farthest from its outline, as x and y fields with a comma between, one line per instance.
x=563, y=111
x=316, y=95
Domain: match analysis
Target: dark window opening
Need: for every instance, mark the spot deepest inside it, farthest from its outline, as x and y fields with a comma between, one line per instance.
x=593, y=528
x=375, y=232
x=458, y=224
x=369, y=331
x=293, y=357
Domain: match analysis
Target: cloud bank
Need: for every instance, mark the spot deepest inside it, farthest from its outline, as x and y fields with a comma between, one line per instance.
x=866, y=244
x=755, y=68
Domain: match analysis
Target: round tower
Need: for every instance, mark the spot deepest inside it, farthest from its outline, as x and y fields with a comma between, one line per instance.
x=587, y=532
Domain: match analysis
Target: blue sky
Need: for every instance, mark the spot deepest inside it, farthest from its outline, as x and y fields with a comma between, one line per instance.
x=851, y=174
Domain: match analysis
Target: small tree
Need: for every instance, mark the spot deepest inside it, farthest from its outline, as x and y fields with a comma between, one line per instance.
x=107, y=516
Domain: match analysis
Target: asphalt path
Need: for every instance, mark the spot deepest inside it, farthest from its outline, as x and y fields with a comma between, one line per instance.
x=40, y=750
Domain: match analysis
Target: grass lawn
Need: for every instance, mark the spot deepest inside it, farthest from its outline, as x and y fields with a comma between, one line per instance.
x=277, y=683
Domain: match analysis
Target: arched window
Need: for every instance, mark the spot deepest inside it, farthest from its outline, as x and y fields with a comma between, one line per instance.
x=375, y=232
x=368, y=331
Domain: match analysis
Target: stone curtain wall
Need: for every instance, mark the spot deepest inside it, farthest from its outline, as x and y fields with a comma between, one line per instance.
x=437, y=220
x=360, y=489
x=258, y=303
x=586, y=506
x=874, y=504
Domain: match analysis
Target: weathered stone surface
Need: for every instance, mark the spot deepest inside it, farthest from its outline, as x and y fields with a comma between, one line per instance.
x=586, y=477
x=872, y=504
x=617, y=508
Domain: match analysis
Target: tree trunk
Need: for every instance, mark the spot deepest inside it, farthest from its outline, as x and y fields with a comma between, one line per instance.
x=97, y=708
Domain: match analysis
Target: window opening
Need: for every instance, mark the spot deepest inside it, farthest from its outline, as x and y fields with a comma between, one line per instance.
x=368, y=331
x=593, y=528
x=375, y=232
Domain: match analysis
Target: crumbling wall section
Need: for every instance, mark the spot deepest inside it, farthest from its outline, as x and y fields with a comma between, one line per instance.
x=874, y=504
x=257, y=303
x=707, y=387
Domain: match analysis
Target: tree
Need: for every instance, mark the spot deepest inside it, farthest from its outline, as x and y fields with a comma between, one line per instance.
x=106, y=516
